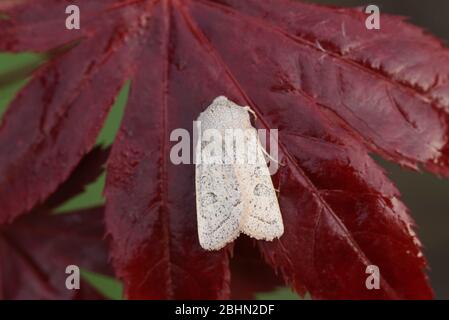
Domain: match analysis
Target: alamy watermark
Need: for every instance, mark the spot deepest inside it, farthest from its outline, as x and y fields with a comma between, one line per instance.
x=73, y=20
x=72, y=282
x=372, y=22
x=373, y=280
x=225, y=147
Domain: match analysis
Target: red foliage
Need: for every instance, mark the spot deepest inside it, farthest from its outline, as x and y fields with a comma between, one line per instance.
x=250, y=275
x=335, y=90
x=36, y=248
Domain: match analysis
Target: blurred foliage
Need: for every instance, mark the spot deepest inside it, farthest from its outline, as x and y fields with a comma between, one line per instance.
x=109, y=287
x=94, y=193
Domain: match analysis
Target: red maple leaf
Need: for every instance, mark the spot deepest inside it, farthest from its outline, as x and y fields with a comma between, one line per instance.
x=335, y=90
x=36, y=249
x=250, y=275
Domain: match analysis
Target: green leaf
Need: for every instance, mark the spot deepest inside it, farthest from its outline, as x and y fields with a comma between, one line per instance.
x=280, y=294
x=111, y=288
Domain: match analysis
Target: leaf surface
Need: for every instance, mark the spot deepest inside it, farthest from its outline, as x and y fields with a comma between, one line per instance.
x=250, y=274
x=335, y=91
x=36, y=248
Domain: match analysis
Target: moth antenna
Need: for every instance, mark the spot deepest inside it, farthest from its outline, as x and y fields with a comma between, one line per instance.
x=278, y=189
x=268, y=155
x=251, y=111
x=247, y=108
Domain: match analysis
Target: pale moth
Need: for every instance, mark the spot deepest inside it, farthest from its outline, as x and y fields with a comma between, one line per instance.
x=232, y=196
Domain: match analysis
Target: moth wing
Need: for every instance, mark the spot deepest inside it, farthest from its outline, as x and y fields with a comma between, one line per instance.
x=219, y=206
x=262, y=217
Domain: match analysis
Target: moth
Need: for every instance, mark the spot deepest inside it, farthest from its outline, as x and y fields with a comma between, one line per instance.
x=234, y=190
